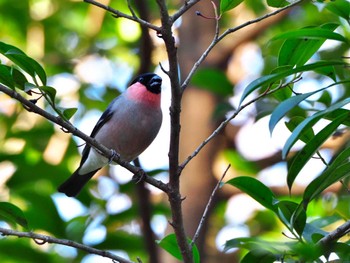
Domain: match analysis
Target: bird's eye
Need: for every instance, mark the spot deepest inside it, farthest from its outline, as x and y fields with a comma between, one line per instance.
x=141, y=80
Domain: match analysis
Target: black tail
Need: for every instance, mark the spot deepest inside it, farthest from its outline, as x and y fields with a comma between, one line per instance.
x=73, y=185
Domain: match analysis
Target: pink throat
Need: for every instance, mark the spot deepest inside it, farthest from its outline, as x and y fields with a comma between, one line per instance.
x=139, y=92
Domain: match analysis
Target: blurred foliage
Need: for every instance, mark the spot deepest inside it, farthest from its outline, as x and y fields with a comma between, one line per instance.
x=60, y=35
x=169, y=244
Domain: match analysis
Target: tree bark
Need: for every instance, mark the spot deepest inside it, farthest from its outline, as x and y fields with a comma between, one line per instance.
x=197, y=181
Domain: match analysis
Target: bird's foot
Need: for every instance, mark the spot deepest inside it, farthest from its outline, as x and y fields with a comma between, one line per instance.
x=139, y=176
x=113, y=154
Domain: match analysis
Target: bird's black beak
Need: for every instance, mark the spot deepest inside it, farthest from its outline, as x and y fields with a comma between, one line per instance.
x=156, y=81
x=155, y=84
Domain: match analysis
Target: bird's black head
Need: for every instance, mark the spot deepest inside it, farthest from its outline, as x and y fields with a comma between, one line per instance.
x=151, y=81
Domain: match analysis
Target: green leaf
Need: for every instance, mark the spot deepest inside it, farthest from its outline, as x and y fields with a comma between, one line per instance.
x=255, y=189
x=304, y=155
x=213, y=80
x=259, y=256
x=309, y=122
x=312, y=232
x=292, y=216
x=29, y=65
x=12, y=215
x=328, y=72
x=258, y=7
x=20, y=250
x=76, y=227
x=342, y=207
x=195, y=253
x=239, y=163
x=297, y=51
x=253, y=243
x=19, y=58
x=125, y=241
x=50, y=91
x=277, y=3
x=226, y=5
x=311, y=33
x=157, y=171
x=283, y=94
x=326, y=98
x=269, y=79
x=19, y=78
x=287, y=105
x=69, y=112
x=249, y=243
x=5, y=77
x=307, y=251
x=4, y=48
x=325, y=221
x=342, y=250
x=221, y=109
x=169, y=244
x=39, y=201
x=306, y=135
x=264, y=108
x=335, y=171
x=340, y=8
x=334, y=114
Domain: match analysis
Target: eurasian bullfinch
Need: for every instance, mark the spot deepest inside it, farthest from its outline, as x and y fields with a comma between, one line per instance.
x=128, y=126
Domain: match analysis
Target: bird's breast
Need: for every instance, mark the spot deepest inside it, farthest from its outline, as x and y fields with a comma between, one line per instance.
x=131, y=129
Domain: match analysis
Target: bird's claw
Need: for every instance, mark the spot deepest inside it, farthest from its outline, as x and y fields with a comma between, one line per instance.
x=113, y=154
x=138, y=178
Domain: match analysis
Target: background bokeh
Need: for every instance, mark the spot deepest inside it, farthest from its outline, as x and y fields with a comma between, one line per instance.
x=90, y=57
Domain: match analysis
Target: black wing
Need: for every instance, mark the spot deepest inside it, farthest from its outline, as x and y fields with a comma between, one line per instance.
x=105, y=117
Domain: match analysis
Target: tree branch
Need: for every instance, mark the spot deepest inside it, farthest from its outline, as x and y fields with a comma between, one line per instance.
x=117, y=14
x=174, y=195
x=183, y=9
x=254, y=21
x=217, y=39
x=225, y=122
x=69, y=243
x=208, y=206
x=335, y=235
x=69, y=128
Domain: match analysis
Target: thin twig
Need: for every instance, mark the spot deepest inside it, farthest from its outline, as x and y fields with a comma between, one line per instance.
x=117, y=14
x=217, y=18
x=69, y=128
x=256, y=20
x=199, y=62
x=183, y=9
x=321, y=158
x=217, y=39
x=206, y=52
x=131, y=10
x=208, y=206
x=225, y=122
x=69, y=243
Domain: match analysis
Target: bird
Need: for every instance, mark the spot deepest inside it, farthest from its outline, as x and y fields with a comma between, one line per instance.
x=128, y=126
